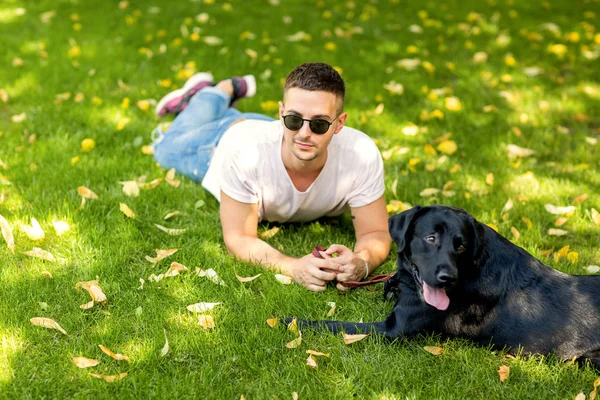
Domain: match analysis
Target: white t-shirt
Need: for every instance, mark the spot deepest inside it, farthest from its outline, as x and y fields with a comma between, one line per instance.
x=247, y=166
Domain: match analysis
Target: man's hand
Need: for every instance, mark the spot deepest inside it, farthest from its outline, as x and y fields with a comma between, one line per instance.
x=313, y=272
x=352, y=267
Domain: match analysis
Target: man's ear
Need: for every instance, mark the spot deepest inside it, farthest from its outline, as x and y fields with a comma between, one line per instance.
x=341, y=122
x=281, y=108
x=398, y=226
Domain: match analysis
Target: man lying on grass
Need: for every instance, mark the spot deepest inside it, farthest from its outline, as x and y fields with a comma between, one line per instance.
x=305, y=166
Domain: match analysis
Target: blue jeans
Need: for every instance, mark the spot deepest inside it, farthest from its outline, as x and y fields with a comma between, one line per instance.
x=189, y=143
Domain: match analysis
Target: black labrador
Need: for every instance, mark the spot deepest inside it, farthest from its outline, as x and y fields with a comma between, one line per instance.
x=459, y=278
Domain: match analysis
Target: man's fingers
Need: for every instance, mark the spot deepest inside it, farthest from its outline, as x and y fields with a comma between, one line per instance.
x=336, y=248
x=341, y=287
x=315, y=288
x=324, y=275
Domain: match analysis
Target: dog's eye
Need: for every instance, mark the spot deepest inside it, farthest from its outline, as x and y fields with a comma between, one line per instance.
x=430, y=239
x=461, y=247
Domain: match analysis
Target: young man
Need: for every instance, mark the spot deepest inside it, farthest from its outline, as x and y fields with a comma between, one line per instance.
x=301, y=167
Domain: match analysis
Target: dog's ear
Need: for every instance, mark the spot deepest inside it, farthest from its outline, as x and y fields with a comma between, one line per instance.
x=398, y=226
x=477, y=232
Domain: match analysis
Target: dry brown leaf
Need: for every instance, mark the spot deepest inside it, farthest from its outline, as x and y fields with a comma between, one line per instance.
x=131, y=188
x=108, y=352
x=201, y=307
x=317, y=353
x=86, y=193
x=93, y=288
x=206, y=321
x=171, y=215
x=284, y=279
x=580, y=199
x=149, y=185
x=269, y=233
x=110, y=378
x=175, y=269
x=272, y=322
x=211, y=274
x=557, y=232
x=126, y=210
x=165, y=349
x=47, y=323
x=7, y=234
x=294, y=343
x=83, y=362
x=87, y=305
x=33, y=231
x=311, y=361
x=436, y=351
x=561, y=221
x=161, y=254
x=349, y=339
x=503, y=372
x=172, y=232
x=248, y=279
x=170, y=178
x=40, y=253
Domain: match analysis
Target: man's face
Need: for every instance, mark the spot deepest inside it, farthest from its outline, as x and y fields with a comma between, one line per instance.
x=304, y=144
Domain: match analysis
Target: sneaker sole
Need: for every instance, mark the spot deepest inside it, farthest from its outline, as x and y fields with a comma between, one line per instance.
x=190, y=83
x=251, y=85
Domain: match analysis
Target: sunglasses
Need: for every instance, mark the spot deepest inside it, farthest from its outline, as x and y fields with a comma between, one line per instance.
x=317, y=125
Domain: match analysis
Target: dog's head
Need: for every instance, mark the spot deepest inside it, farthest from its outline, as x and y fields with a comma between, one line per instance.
x=436, y=244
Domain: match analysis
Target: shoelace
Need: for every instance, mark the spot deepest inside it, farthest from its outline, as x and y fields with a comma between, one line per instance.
x=355, y=284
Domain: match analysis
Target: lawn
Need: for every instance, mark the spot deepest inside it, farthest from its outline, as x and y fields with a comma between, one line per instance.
x=490, y=106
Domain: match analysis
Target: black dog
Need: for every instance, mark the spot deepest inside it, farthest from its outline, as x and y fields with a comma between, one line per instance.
x=459, y=278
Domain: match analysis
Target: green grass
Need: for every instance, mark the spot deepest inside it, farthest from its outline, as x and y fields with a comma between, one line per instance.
x=243, y=355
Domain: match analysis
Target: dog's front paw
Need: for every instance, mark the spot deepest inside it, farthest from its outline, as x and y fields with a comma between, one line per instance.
x=391, y=289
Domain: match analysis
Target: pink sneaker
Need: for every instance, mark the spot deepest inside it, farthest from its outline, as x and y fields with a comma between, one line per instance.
x=243, y=87
x=176, y=101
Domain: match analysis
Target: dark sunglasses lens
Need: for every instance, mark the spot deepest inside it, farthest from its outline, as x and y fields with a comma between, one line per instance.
x=319, y=126
x=293, y=122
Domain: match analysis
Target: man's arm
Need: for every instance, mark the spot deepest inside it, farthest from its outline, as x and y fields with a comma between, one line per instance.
x=372, y=242
x=240, y=222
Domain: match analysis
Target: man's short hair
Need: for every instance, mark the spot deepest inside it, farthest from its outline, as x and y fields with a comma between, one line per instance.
x=317, y=77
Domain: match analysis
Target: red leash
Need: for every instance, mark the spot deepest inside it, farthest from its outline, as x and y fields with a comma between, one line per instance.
x=355, y=284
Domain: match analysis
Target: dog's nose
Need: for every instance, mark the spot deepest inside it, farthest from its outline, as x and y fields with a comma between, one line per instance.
x=446, y=279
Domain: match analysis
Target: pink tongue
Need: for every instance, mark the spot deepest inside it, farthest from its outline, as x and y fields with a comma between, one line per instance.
x=435, y=297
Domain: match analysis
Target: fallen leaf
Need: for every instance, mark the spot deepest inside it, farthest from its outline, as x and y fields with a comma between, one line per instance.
x=33, y=231
x=87, y=145
x=149, y=185
x=113, y=355
x=580, y=396
x=436, y=351
x=557, y=210
x=47, y=274
x=447, y=147
x=594, y=393
x=172, y=232
x=7, y=234
x=332, y=309
x=175, y=269
x=126, y=210
x=211, y=274
x=93, y=288
x=248, y=279
x=206, y=321
x=580, y=199
x=503, y=372
x=171, y=215
x=60, y=227
x=595, y=216
x=272, y=322
x=561, y=221
x=131, y=188
x=507, y=207
x=201, y=307
x=170, y=178
x=557, y=232
x=165, y=349
x=86, y=193
x=83, y=362
x=349, y=339
x=516, y=151
x=40, y=253
x=311, y=361
x=293, y=326
x=284, y=279
x=429, y=192
x=161, y=254
x=592, y=269
x=294, y=343
x=110, y=378
x=87, y=305
x=47, y=323
x=317, y=353
x=269, y=233
x=527, y=222
x=515, y=232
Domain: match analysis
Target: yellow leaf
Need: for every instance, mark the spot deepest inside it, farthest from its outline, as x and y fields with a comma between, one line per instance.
x=33, y=232
x=515, y=232
x=175, y=269
x=122, y=122
x=527, y=222
x=494, y=227
x=430, y=150
x=93, y=289
x=87, y=144
x=126, y=210
x=269, y=233
x=201, y=307
x=447, y=147
x=332, y=309
x=452, y=104
x=573, y=257
x=595, y=216
x=311, y=361
x=516, y=151
x=83, y=362
x=110, y=378
x=249, y=279
x=317, y=353
x=60, y=227
x=436, y=351
x=561, y=221
x=87, y=305
x=397, y=206
x=161, y=254
x=143, y=105
x=150, y=185
x=489, y=179
x=284, y=279
x=293, y=326
x=206, y=321
x=503, y=372
x=40, y=253
x=131, y=188
x=171, y=215
x=172, y=232
x=429, y=192
x=170, y=178
x=272, y=322
x=349, y=339
x=557, y=232
x=557, y=210
x=47, y=323
x=113, y=355
x=580, y=199
x=86, y=193
x=47, y=274
x=165, y=349
x=294, y=343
